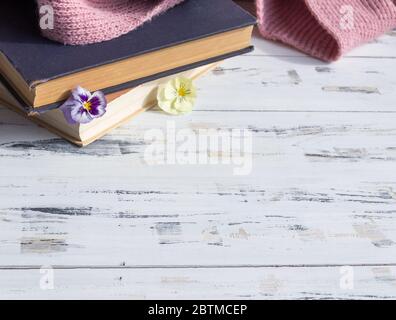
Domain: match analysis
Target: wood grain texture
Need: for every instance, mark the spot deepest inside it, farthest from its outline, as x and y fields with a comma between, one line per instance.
x=322, y=193
x=376, y=282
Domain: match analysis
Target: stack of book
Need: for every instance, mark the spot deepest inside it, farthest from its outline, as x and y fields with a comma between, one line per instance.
x=37, y=75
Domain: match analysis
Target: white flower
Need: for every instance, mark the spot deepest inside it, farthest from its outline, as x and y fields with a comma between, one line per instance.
x=177, y=96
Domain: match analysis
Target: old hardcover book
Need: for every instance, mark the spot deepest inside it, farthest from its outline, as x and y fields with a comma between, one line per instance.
x=192, y=34
x=122, y=106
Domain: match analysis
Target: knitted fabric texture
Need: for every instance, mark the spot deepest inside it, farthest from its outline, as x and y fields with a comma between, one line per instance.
x=81, y=22
x=325, y=29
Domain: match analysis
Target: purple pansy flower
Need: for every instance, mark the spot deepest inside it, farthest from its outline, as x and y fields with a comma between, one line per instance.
x=83, y=107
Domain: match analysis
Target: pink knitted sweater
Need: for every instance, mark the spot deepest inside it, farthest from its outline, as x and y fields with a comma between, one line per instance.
x=80, y=22
x=325, y=29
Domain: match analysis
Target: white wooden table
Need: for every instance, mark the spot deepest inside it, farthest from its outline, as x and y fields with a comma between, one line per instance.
x=322, y=194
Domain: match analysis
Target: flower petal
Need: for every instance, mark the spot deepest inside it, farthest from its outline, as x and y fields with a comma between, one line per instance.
x=193, y=92
x=184, y=106
x=161, y=95
x=80, y=115
x=98, y=104
x=185, y=82
x=169, y=92
x=67, y=107
x=80, y=94
x=176, y=83
x=167, y=106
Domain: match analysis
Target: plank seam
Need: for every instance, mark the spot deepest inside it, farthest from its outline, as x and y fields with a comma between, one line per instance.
x=242, y=266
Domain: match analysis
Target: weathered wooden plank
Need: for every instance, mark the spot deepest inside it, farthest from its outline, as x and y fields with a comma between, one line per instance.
x=275, y=77
x=321, y=192
x=383, y=47
x=376, y=282
x=263, y=83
